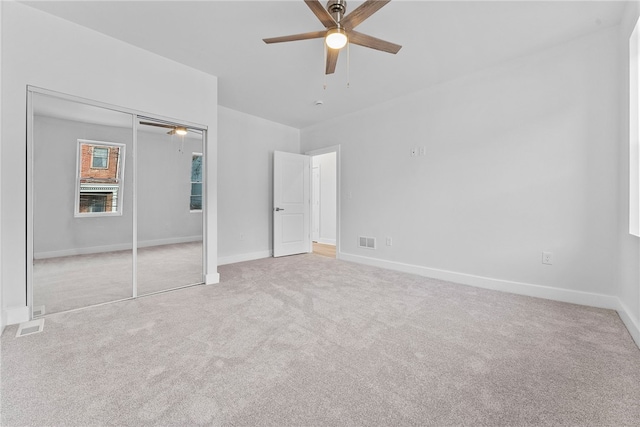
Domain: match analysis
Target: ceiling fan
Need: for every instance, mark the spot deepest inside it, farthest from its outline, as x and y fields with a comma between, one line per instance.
x=174, y=130
x=339, y=29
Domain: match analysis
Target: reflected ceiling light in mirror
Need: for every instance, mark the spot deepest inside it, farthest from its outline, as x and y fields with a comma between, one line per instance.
x=178, y=130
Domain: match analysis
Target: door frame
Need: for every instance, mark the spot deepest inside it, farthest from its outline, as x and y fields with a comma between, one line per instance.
x=315, y=216
x=326, y=150
x=136, y=115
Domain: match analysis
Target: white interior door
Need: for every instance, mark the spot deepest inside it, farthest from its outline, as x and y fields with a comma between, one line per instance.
x=291, y=204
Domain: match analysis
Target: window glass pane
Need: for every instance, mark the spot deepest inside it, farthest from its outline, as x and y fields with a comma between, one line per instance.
x=100, y=158
x=95, y=202
x=196, y=168
x=196, y=196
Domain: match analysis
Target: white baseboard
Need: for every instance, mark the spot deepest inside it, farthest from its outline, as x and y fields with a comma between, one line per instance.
x=232, y=259
x=15, y=315
x=327, y=241
x=630, y=321
x=212, y=279
x=113, y=248
x=528, y=289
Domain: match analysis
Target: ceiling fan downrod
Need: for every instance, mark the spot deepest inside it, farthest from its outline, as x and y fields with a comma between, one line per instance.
x=337, y=9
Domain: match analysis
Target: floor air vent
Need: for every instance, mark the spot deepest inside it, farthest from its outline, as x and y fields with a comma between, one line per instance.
x=367, y=242
x=28, y=328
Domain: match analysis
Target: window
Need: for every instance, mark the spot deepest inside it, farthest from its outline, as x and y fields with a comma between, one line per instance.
x=100, y=158
x=100, y=171
x=195, y=203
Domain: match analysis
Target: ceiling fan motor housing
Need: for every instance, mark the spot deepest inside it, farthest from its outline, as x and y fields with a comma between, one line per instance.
x=337, y=9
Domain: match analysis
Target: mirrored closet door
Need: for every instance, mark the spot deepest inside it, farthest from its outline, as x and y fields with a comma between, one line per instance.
x=169, y=206
x=115, y=204
x=82, y=196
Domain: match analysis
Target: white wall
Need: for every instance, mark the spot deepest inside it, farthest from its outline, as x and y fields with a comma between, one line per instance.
x=327, y=215
x=245, y=189
x=520, y=158
x=629, y=254
x=42, y=50
x=2, y=311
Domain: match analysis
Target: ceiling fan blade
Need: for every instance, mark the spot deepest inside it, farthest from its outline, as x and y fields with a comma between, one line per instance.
x=362, y=12
x=160, y=125
x=332, y=60
x=318, y=9
x=294, y=37
x=373, y=42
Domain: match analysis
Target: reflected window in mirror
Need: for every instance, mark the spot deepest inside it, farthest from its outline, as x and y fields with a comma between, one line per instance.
x=195, y=204
x=100, y=172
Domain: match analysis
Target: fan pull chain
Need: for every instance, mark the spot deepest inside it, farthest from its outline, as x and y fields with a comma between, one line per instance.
x=324, y=85
x=348, y=64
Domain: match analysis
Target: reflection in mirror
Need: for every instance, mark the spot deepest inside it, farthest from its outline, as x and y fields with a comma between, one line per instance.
x=169, y=206
x=100, y=169
x=81, y=257
x=196, y=182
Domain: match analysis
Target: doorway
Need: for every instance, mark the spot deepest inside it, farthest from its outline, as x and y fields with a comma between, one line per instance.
x=292, y=202
x=324, y=201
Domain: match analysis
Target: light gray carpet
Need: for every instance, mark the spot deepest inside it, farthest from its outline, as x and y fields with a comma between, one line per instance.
x=314, y=341
x=71, y=282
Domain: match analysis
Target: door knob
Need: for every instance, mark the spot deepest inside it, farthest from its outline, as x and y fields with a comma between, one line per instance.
x=278, y=209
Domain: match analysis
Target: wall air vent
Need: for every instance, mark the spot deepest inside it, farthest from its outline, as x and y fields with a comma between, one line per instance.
x=38, y=311
x=367, y=242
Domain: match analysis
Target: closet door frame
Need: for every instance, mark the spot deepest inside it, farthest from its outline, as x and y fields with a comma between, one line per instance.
x=136, y=116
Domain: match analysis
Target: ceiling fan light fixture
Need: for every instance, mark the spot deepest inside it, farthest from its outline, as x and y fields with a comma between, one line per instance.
x=336, y=38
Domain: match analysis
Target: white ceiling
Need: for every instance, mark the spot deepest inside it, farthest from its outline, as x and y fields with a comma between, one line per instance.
x=441, y=40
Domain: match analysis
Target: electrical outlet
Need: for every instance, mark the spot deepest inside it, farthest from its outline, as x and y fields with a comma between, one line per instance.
x=423, y=151
x=389, y=242
x=547, y=258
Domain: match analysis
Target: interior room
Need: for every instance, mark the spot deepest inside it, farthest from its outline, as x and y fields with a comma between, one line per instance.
x=211, y=216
